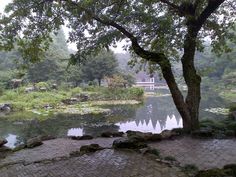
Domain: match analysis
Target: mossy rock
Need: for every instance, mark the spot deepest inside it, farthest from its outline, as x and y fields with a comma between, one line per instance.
x=169, y=158
x=230, y=133
x=129, y=143
x=179, y=131
x=154, y=152
x=212, y=173
x=190, y=169
x=203, y=133
x=231, y=169
x=90, y=148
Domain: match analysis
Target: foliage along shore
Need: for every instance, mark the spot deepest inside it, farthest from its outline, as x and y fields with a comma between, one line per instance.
x=64, y=100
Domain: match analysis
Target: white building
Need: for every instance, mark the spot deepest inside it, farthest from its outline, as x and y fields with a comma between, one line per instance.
x=145, y=81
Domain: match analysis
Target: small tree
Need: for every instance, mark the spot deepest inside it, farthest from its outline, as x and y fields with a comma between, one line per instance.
x=104, y=64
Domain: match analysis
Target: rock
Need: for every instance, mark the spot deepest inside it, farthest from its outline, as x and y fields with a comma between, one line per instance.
x=46, y=137
x=230, y=133
x=144, y=136
x=54, y=86
x=34, y=142
x=213, y=173
x=90, y=148
x=139, y=135
x=2, y=142
x=5, y=107
x=82, y=97
x=84, y=137
x=155, y=137
x=30, y=89
x=202, y=133
x=232, y=168
x=20, y=147
x=129, y=143
x=178, y=131
x=150, y=151
x=4, y=149
x=70, y=101
x=47, y=106
x=112, y=134
x=167, y=134
x=42, y=89
x=15, y=83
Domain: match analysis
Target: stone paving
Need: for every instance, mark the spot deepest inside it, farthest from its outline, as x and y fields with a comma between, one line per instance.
x=53, y=149
x=204, y=153
x=52, y=160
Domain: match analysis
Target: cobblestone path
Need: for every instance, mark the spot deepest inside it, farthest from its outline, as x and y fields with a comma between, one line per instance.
x=52, y=160
x=204, y=153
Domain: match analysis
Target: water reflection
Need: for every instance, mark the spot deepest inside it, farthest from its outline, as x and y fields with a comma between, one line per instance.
x=150, y=125
x=12, y=140
x=155, y=115
x=75, y=132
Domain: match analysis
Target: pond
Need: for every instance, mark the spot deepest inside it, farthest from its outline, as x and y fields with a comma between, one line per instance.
x=154, y=115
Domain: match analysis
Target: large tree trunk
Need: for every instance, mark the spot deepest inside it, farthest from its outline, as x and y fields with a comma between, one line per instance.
x=192, y=79
x=188, y=108
x=177, y=96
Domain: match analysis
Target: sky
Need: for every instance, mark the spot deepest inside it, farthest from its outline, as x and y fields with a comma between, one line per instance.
x=72, y=46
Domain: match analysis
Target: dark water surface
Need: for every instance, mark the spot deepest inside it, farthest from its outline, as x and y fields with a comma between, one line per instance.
x=154, y=115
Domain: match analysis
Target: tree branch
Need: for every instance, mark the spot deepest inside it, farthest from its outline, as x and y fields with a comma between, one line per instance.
x=150, y=56
x=210, y=8
x=170, y=4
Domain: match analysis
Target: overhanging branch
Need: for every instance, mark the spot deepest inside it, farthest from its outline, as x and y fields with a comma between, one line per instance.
x=170, y=4
x=210, y=8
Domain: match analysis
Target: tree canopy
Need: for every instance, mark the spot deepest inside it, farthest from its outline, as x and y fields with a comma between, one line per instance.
x=104, y=64
x=159, y=32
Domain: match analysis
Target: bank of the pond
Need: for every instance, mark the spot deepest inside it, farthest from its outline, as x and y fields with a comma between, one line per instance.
x=89, y=100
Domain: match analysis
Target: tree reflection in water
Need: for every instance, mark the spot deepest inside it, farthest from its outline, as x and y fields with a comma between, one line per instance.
x=154, y=115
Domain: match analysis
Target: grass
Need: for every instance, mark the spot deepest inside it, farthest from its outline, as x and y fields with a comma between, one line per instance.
x=229, y=95
x=36, y=100
x=33, y=100
x=103, y=93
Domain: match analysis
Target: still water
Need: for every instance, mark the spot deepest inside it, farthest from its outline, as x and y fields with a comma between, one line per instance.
x=154, y=115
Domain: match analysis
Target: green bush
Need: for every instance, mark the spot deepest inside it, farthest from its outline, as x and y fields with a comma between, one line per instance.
x=104, y=93
x=76, y=90
x=1, y=91
x=42, y=84
x=232, y=107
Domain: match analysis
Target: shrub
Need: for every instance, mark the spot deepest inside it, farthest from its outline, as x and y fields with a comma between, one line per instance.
x=76, y=90
x=1, y=91
x=42, y=84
